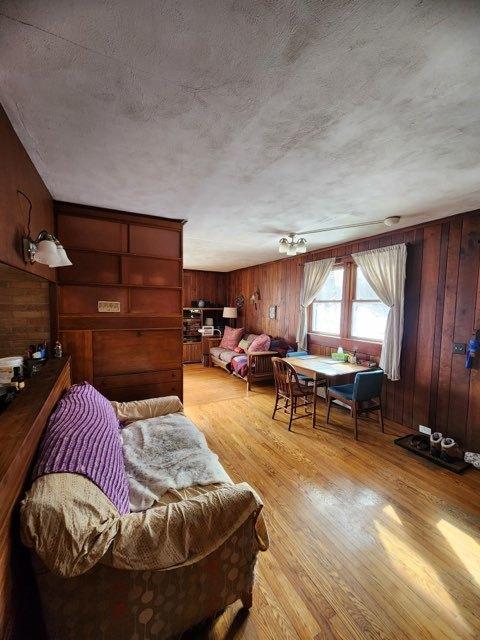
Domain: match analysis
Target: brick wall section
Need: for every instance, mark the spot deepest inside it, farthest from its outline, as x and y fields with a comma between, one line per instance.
x=24, y=311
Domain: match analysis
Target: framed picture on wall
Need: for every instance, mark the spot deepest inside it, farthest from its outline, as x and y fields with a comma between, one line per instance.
x=272, y=312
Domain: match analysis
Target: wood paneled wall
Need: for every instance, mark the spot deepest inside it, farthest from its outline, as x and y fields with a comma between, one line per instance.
x=442, y=306
x=205, y=285
x=134, y=261
x=24, y=310
x=18, y=172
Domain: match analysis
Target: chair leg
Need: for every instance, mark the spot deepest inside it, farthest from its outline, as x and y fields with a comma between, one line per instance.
x=329, y=404
x=355, y=421
x=292, y=407
x=380, y=415
x=276, y=406
x=247, y=600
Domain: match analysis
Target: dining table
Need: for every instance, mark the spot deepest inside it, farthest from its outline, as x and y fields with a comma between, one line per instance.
x=324, y=369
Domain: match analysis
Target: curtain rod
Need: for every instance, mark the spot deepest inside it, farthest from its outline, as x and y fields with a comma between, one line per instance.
x=349, y=255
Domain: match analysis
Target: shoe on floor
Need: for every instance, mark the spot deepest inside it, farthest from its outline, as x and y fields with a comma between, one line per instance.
x=472, y=458
x=436, y=444
x=451, y=450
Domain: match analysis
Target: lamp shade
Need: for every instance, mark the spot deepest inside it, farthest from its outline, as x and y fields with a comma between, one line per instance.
x=62, y=259
x=47, y=253
x=229, y=312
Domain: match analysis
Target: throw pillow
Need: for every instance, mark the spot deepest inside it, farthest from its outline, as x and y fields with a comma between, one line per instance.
x=245, y=343
x=239, y=349
x=261, y=343
x=231, y=338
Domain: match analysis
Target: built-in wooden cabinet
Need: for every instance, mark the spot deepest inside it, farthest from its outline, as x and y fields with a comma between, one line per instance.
x=120, y=304
x=192, y=352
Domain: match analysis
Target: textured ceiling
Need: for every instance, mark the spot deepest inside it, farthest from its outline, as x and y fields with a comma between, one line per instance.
x=249, y=118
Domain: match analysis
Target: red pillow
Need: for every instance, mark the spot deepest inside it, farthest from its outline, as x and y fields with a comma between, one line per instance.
x=239, y=350
x=231, y=338
x=261, y=343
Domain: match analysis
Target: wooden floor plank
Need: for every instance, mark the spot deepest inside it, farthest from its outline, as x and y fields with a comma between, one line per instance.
x=367, y=541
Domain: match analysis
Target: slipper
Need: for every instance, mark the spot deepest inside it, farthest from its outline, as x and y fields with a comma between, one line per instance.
x=472, y=458
x=451, y=450
x=436, y=444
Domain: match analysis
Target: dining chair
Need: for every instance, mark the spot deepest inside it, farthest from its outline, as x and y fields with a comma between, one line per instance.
x=300, y=354
x=362, y=396
x=289, y=389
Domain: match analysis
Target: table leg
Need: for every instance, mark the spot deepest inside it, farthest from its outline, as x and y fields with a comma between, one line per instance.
x=314, y=413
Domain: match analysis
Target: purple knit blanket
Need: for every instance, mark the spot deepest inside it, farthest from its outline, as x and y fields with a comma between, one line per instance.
x=83, y=437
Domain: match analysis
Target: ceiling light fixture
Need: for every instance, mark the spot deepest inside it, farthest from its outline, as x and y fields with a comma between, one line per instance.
x=392, y=221
x=45, y=249
x=292, y=247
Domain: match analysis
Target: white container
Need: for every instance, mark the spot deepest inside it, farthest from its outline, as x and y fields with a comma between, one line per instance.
x=6, y=367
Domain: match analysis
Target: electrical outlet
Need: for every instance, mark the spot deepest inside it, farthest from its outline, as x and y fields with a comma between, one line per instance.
x=459, y=348
x=423, y=429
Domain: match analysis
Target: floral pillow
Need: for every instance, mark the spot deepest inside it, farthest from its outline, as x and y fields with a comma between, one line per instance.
x=231, y=338
x=261, y=343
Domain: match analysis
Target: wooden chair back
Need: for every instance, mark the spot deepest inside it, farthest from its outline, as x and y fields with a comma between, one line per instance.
x=286, y=378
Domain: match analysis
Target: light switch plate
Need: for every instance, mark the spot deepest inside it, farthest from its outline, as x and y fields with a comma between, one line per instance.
x=423, y=429
x=459, y=348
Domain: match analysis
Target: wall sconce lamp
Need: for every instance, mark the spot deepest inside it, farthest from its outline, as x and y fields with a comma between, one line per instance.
x=45, y=249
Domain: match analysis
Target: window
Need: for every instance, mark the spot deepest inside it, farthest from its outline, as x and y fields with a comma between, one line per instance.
x=369, y=314
x=327, y=307
x=348, y=308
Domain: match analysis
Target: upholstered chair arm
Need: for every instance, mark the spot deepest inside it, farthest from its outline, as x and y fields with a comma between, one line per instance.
x=184, y=532
x=151, y=408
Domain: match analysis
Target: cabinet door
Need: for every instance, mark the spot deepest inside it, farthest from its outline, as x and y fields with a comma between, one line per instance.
x=135, y=386
x=89, y=233
x=151, y=241
x=82, y=300
x=132, y=351
x=192, y=352
x=151, y=271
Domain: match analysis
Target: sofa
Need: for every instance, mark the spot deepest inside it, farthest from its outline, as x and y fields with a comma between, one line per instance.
x=247, y=363
x=106, y=573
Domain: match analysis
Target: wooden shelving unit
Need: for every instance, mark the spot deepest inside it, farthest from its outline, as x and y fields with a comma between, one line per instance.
x=194, y=318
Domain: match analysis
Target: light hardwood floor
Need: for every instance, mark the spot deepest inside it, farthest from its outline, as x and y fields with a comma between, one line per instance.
x=367, y=541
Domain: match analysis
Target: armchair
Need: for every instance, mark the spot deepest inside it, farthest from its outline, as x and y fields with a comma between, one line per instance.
x=151, y=574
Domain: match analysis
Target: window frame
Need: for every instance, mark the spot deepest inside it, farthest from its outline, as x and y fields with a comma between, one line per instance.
x=345, y=338
x=340, y=302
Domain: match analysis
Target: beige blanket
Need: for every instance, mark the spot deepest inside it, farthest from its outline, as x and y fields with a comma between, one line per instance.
x=71, y=525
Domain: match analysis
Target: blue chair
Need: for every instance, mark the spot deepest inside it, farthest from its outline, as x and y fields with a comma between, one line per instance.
x=363, y=396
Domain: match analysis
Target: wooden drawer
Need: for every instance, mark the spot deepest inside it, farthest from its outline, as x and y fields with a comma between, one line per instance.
x=123, y=381
x=141, y=385
x=132, y=351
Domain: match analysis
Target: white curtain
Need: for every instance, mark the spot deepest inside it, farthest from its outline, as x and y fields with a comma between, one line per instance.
x=384, y=269
x=314, y=277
